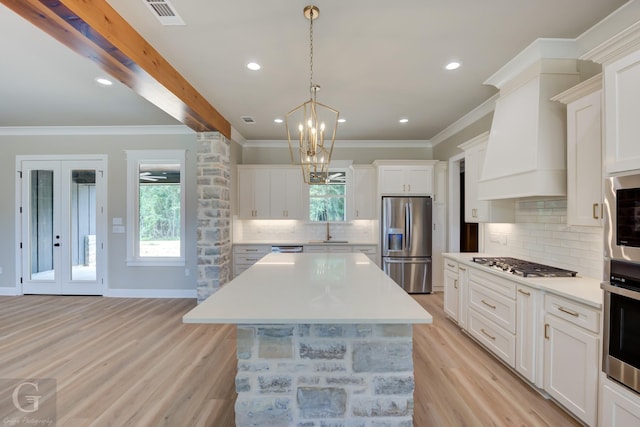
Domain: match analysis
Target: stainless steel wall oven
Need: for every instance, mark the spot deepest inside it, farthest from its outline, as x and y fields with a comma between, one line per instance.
x=621, y=349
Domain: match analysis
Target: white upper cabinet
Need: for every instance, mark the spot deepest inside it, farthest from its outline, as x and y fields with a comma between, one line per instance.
x=481, y=210
x=622, y=107
x=253, y=193
x=274, y=192
x=363, y=192
x=620, y=59
x=584, y=152
x=441, y=179
x=414, y=178
x=286, y=193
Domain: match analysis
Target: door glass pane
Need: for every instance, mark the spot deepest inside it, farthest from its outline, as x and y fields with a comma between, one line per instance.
x=159, y=210
x=83, y=224
x=41, y=236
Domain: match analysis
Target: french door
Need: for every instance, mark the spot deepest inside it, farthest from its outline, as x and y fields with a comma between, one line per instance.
x=62, y=226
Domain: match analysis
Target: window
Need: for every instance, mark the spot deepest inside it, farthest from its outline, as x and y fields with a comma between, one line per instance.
x=155, y=208
x=327, y=202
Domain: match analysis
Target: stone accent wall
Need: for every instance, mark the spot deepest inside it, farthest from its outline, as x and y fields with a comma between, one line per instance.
x=214, y=213
x=333, y=375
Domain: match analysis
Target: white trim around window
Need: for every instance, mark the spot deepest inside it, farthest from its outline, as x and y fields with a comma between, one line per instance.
x=135, y=159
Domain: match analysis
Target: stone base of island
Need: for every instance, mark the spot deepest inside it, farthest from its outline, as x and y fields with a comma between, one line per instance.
x=322, y=340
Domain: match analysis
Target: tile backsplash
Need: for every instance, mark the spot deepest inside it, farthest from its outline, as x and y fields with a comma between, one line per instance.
x=292, y=231
x=541, y=234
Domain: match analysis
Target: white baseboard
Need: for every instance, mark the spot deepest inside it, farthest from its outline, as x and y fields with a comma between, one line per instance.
x=125, y=293
x=9, y=292
x=151, y=293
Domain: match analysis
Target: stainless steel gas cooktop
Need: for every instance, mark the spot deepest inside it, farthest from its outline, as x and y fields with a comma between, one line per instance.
x=523, y=268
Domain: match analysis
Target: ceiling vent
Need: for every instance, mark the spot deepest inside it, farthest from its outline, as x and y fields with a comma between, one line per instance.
x=164, y=11
x=248, y=120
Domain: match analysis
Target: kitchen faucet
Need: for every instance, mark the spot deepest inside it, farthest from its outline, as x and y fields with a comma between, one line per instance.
x=328, y=234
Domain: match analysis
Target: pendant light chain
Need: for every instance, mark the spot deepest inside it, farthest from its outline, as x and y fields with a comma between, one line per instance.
x=312, y=92
x=310, y=126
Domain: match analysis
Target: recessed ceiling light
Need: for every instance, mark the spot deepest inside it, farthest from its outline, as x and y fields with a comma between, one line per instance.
x=278, y=120
x=453, y=65
x=342, y=120
x=103, y=81
x=405, y=120
x=253, y=66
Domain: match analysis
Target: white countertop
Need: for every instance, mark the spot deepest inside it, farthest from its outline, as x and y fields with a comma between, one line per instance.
x=310, y=288
x=306, y=243
x=582, y=289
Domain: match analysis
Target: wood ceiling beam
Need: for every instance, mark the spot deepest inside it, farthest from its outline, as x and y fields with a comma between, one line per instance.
x=95, y=30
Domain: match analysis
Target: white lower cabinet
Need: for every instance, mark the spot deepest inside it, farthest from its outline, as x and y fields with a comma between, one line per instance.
x=620, y=406
x=244, y=256
x=369, y=250
x=451, y=290
x=571, y=357
x=492, y=313
x=328, y=248
x=528, y=338
x=551, y=341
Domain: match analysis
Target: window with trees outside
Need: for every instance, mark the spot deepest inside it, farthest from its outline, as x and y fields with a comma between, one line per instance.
x=155, y=207
x=327, y=201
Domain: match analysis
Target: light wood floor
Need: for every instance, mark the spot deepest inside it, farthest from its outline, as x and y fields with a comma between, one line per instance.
x=131, y=362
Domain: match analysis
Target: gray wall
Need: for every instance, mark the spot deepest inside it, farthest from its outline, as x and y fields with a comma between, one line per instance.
x=120, y=276
x=449, y=147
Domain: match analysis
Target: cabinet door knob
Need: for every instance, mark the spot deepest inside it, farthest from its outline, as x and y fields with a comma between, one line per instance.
x=524, y=292
x=455, y=284
x=594, y=212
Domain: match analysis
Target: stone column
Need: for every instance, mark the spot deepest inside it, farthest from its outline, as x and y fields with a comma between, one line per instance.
x=214, y=213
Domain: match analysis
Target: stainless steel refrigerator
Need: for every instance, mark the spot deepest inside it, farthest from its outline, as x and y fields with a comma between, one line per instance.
x=406, y=242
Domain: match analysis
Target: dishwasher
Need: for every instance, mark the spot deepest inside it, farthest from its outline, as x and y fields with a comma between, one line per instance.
x=289, y=249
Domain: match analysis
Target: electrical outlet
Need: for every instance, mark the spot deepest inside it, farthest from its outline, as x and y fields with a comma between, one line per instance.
x=187, y=272
x=0, y=270
x=503, y=239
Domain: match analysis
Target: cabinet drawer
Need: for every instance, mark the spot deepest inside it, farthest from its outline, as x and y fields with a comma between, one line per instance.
x=451, y=265
x=366, y=249
x=496, y=339
x=252, y=249
x=501, y=285
x=496, y=307
x=248, y=259
x=573, y=312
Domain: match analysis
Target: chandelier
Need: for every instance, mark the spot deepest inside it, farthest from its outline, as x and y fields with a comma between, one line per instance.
x=312, y=120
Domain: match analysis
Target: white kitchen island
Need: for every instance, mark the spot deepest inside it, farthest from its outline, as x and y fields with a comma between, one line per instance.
x=323, y=339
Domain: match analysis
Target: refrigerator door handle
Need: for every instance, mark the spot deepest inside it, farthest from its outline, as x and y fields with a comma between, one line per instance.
x=405, y=245
x=409, y=226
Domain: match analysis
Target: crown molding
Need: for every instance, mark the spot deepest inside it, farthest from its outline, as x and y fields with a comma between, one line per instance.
x=97, y=130
x=580, y=90
x=622, y=44
x=542, y=48
x=345, y=144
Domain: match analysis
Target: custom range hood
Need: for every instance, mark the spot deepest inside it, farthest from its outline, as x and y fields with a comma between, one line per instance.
x=526, y=152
